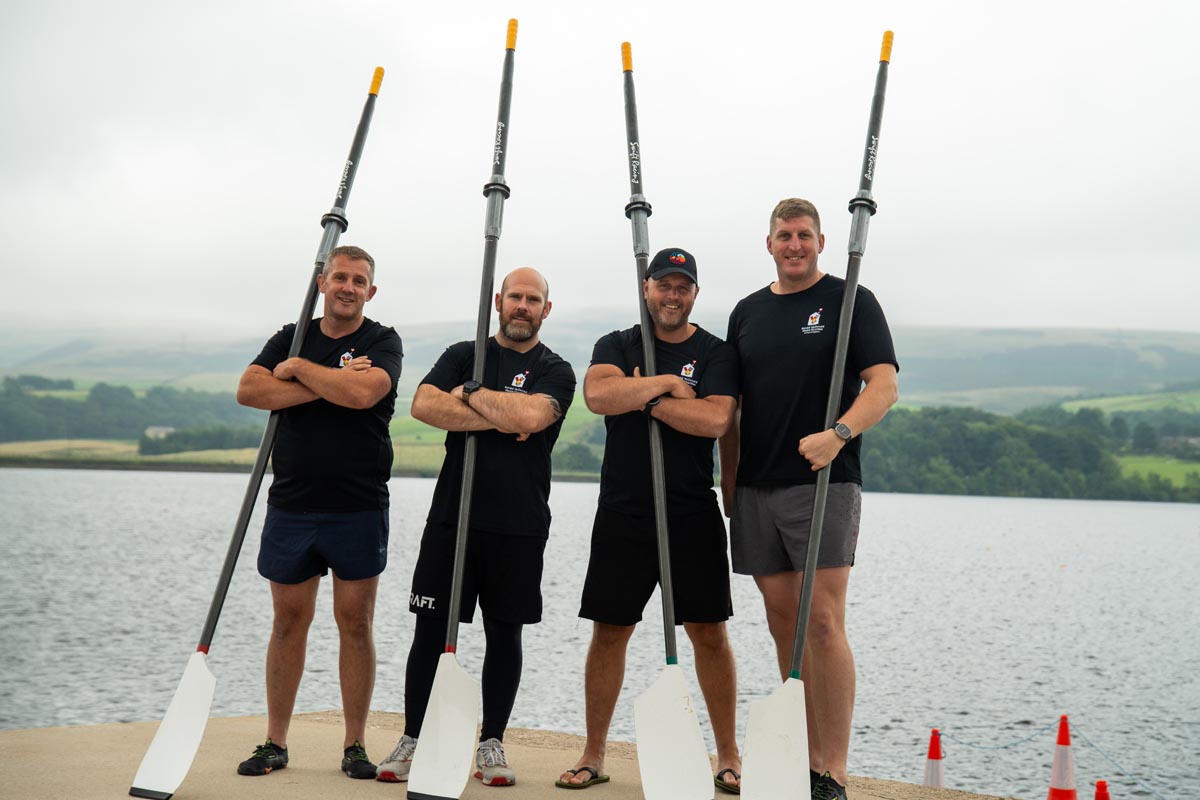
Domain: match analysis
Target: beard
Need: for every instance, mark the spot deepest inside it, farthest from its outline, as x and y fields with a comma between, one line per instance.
x=663, y=322
x=513, y=329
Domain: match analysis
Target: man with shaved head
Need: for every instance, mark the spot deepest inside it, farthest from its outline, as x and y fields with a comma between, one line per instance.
x=516, y=413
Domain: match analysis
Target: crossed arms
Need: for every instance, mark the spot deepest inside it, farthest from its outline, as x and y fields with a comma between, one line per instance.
x=507, y=412
x=297, y=380
x=607, y=390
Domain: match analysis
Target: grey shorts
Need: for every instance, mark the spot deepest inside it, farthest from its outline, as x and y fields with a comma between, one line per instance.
x=768, y=532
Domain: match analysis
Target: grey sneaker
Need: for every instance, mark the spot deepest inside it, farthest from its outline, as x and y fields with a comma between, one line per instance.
x=395, y=767
x=491, y=765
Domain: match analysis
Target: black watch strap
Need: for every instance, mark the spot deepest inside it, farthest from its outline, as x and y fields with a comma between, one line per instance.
x=650, y=404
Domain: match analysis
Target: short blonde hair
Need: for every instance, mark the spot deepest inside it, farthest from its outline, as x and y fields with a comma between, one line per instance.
x=794, y=207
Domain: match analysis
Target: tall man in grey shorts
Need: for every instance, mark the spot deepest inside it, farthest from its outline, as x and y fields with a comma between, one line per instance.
x=784, y=335
x=693, y=397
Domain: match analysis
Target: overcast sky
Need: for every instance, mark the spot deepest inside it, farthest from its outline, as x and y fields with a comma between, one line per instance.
x=170, y=162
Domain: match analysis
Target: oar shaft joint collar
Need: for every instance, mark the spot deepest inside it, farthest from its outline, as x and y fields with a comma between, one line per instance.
x=496, y=186
x=863, y=201
x=337, y=215
x=637, y=204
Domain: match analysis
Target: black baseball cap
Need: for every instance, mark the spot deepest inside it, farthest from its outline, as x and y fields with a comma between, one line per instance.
x=672, y=260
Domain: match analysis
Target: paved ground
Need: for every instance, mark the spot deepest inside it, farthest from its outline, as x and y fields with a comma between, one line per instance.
x=99, y=761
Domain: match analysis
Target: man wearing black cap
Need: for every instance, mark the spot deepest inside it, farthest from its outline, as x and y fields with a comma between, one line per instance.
x=693, y=396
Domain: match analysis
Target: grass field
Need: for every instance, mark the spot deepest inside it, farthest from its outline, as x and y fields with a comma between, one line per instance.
x=114, y=451
x=1172, y=469
x=1187, y=401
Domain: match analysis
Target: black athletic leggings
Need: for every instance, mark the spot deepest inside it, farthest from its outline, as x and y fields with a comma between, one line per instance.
x=501, y=673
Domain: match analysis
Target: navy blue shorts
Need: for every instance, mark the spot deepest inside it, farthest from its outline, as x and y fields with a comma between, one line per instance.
x=298, y=545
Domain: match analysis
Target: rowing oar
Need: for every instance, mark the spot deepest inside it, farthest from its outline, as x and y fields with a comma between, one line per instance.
x=671, y=752
x=443, y=760
x=775, y=757
x=174, y=746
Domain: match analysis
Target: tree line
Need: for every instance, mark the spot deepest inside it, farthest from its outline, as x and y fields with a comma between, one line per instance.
x=1040, y=452
x=113, y=412
x=1044, y=452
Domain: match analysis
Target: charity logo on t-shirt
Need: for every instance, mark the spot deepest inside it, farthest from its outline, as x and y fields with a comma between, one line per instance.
x=346, y=357
x=814, y=323
x=518, y=383
x=688, y=373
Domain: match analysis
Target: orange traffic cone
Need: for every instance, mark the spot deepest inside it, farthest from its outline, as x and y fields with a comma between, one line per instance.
x=935, y=775
x=1102, y=790
x=1062, y=774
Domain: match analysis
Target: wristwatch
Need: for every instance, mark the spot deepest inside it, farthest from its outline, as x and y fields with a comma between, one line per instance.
x=843, y=431
x=650, y=404
x=468, y=388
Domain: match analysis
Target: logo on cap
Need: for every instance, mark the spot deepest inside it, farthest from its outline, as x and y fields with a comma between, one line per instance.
x=677, y=258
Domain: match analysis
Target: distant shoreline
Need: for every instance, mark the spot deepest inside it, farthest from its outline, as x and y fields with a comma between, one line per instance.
x=18, y=462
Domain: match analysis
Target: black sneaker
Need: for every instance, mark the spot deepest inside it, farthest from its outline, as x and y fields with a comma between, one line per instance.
x=266, y=757
x=826, y=788
x=356, y=764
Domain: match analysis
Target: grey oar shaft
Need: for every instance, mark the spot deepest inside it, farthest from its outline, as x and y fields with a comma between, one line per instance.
x=334, y=223
x=638, y=211
x=862, y=206
x=496, y=191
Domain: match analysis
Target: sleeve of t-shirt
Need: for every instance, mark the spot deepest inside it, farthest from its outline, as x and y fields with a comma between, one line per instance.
x=610, y=350
x=276, y=348
x=559, y=383
x=870, y=337
x=732, y=330
x=721, y=373
x=448, y=372
x=387, y=353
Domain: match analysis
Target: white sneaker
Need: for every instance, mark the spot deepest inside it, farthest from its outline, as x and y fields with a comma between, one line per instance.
x=491, y=765
x=395, y=767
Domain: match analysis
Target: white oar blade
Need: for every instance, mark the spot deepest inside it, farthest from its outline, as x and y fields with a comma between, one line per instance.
x=445, y=752
x=174, y=746
x=671, y=753
x=775, y=755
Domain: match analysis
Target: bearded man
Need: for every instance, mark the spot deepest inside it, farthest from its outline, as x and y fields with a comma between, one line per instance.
x=516, y=413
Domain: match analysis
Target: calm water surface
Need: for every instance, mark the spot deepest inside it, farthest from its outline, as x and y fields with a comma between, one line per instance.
x=985, y=617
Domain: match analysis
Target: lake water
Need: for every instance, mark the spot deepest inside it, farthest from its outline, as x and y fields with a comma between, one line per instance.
x=986, y=617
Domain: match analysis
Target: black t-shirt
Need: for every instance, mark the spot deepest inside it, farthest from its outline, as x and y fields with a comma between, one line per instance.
x=328, y=457
x=512, y=479
x=785, y=345
x=709, y=366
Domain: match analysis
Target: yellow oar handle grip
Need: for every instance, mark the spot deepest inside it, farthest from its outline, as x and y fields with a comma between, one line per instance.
x=626, y=57
x=512, y=35
x=885, y=54
x=377, y=81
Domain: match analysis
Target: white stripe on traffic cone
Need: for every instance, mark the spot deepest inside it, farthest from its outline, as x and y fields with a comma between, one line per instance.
x=1062, y=774
x=935, y=775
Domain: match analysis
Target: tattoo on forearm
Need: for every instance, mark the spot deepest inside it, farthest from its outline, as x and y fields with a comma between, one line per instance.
x=554, y=406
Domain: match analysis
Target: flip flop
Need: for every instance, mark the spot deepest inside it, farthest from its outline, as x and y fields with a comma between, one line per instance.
x=732, y=788
x=596, y=778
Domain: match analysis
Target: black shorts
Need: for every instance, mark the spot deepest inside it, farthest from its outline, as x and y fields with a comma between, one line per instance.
x=502, y=572
x=623, y=568
x=298, y=545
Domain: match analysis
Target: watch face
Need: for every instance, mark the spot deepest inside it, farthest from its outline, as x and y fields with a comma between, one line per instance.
x=843, y=431
x=470, y=386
